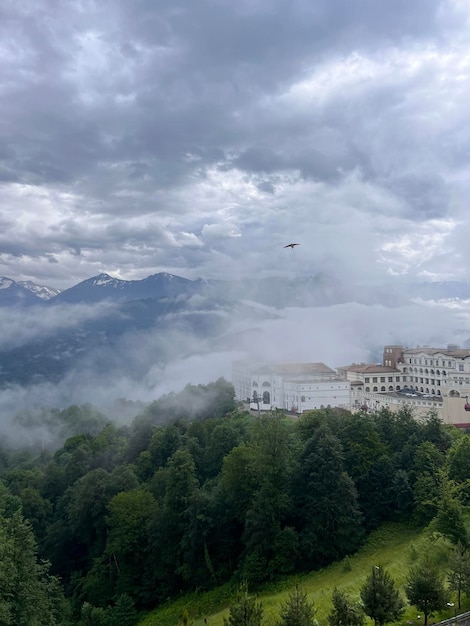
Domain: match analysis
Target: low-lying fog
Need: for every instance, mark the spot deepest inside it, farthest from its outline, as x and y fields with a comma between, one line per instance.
x=336, y=335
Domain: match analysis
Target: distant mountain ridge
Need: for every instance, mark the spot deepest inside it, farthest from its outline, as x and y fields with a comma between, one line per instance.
x=15, y=294
x=317, y=290
x=275, y=291
x=41, y=291
x=167, y=316
x=104, y=286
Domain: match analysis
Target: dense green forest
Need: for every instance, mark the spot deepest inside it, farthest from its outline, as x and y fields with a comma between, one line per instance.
x=116, y=519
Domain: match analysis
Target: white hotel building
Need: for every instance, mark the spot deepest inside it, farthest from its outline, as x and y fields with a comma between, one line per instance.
x=295, y=387
x=423, y=378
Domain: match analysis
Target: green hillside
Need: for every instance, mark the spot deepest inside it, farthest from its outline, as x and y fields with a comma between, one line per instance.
x=394, y=546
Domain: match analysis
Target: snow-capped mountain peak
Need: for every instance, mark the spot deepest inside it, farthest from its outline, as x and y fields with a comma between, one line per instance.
x=105, y=280
x=41, y=291
x=5, y=283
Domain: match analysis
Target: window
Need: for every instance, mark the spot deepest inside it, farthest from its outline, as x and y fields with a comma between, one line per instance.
x=382, y=379
x=460, y=367
x=375, y=389
x=374, y=379
x=390, y=379
x=367, y=379
x=302, y=398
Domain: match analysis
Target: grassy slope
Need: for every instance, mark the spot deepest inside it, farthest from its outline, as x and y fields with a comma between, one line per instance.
x=395, y=547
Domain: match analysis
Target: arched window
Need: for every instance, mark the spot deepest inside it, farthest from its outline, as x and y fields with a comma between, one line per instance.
x=390, y=388
x=382, y=388
x=398, y=387
x=254, y=383
x=266, y=384
x=375, y=389
x=368, y=389
x=255, y=395
x=266, y=398
x=302, y=398
x=454, y=394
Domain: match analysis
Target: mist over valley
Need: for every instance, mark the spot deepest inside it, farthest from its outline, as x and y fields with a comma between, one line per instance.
x=105, y=339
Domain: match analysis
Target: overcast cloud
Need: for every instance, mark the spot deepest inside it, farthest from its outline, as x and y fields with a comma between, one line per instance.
x=200, y=137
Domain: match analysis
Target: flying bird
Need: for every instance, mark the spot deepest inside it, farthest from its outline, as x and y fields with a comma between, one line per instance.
x=291, y=245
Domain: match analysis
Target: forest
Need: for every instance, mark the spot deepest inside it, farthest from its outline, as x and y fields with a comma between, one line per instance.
x=116, y=519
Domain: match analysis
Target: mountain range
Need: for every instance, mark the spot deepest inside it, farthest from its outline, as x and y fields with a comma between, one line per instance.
x=276, y=291
x=317, y=290
x=129, y=325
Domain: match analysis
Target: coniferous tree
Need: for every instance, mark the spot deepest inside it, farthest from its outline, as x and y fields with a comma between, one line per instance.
x=297, y=611
x=330, y=522
x=29, y=595
x=450, y=521
x=459, y=572
x=246, y=611
x=344, y=612
x=123, y=612
x=425, y=588
x=381, y=600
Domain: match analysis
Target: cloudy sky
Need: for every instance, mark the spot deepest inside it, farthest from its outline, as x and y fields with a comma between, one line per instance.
x=199, y=137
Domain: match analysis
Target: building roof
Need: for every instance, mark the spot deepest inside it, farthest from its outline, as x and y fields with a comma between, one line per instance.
x=455, y=352
x=314, y=379
x=301, y=368
x=369, y=368
x=286, y=369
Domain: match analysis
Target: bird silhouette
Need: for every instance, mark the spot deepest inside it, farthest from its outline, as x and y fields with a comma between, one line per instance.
x=291, y=245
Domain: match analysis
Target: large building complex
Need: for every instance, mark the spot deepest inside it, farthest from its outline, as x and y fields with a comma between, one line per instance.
x=424, y=378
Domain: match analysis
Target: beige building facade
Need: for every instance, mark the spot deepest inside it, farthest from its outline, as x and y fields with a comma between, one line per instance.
x=424, y=379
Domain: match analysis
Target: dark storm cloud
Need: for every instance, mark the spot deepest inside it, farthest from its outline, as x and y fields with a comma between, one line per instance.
x=146, y=135
x=185, y=69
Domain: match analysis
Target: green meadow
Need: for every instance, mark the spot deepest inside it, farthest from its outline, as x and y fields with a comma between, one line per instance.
x=396, y=547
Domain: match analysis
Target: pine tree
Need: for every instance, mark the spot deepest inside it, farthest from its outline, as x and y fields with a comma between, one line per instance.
x=380, y=599
x=425, y=588
x=459, y=572
x=297, y=611
x=29, y=595
x=123, y=612
x=344, y=612
x=246, y=611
